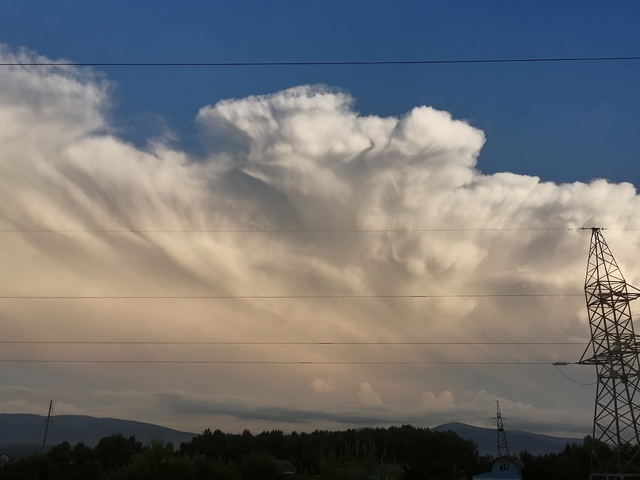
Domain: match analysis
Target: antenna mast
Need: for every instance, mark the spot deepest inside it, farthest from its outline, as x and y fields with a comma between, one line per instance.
x=613, y=350
x=503, y=448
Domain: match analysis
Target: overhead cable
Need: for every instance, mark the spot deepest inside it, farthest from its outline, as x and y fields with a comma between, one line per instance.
x=314, y=230
x=265, y=362
x=329, y=63
x=277, y=297
x=222, y=343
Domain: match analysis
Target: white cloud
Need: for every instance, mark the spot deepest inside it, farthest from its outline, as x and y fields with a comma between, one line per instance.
x=302, y=165
x=442, y=401
x=367, y=397
x=320, y=385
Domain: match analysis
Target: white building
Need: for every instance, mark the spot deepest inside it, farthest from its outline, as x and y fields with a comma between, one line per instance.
x=503, y=468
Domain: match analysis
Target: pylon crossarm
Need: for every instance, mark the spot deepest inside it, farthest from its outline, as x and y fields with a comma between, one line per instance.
x=604, y=359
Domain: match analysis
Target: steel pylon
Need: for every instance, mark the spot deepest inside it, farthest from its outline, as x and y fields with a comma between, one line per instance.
x=503, y=447
x=613, y=350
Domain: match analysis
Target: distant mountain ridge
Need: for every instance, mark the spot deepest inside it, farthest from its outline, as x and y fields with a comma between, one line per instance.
x=24, y=433
x=486, y=439
x=21, y=431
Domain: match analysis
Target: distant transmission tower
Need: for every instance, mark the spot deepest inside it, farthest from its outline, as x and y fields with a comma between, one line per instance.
x=46, y=426
x=503, y=448
x=613, y=349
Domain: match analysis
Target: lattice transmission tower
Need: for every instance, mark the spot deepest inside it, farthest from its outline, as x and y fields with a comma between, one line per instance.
x=613, y=350
x=503, y=447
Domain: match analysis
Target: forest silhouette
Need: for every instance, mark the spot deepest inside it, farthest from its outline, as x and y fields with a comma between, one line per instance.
x=415, y=453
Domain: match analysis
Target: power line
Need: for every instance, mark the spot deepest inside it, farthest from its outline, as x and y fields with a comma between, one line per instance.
x=147, y=342
x=313, y=230
x=329, y=63
x=574, y=380
x=278, y=297
x=318, y=230
x=270, y=362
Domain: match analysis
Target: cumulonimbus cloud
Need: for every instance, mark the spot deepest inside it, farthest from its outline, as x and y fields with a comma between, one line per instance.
x=298, y=196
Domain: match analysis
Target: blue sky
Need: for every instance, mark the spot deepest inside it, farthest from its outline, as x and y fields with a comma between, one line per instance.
x=562, y=122
x=431, y=209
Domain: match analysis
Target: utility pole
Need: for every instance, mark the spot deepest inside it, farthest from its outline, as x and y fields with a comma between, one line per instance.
x=46, y=425
x=503, y=448
x=613, y=350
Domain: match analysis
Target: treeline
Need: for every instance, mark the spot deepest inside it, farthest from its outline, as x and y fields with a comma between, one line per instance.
x=422, y=453
x=574, y=462
x=352, y=454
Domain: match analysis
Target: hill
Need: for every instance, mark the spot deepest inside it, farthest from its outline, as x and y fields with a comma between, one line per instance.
x=24, y=433
x=486, y=439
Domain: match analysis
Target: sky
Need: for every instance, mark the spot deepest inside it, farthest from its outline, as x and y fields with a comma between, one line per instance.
x=301, y=247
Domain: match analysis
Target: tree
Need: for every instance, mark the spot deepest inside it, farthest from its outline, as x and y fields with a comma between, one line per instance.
x=116, y=451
